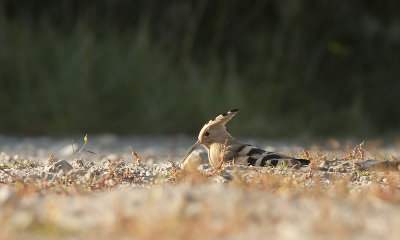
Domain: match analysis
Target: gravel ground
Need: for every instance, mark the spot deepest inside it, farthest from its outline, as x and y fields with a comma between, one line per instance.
x=105, y=193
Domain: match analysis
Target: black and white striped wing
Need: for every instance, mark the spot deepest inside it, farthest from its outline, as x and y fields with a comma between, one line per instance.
x=253, y=156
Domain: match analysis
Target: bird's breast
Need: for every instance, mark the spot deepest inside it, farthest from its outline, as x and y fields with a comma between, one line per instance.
x=215, y=154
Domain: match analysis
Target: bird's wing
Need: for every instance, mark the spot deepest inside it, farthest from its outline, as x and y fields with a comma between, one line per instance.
x=245, y=154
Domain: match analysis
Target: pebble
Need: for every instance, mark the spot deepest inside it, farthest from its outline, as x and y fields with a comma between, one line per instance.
x=92, y=173
x=60, y=165
x=220, y=179
x=365, y=178
x=33, y=176
x=195, y=159
x=60, y=174
x=77, y=173
x=209, y=204
x=203, y=167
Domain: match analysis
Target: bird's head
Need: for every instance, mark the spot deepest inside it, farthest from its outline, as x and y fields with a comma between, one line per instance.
x=214, y=131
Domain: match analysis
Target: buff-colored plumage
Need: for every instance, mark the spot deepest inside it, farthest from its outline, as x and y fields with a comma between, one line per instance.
x=221, y=145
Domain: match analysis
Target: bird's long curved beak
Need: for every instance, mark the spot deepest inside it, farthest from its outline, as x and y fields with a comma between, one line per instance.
x=191, y=150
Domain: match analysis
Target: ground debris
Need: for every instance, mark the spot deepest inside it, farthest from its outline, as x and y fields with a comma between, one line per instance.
x=112, y=194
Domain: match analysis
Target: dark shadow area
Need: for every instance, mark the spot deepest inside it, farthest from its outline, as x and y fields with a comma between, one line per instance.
x=294, y=68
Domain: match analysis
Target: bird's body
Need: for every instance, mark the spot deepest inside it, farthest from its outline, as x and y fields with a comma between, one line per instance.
x=221, y=146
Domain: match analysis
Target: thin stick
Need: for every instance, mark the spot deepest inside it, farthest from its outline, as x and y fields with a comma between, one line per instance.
x=80, y=150
x=222, y=162
x=16, y=179
x=220, y=165
x=89, y=151
x=310, y=172
x=51, y=158
x=135, y=155
x=73, y=149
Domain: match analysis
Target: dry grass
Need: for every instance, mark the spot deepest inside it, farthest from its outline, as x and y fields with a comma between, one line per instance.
x=256, y=178
x=325, y=188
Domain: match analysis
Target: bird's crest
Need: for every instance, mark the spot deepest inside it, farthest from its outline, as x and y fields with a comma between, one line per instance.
x=223, y=118
x=220, y=144
x=214, y=131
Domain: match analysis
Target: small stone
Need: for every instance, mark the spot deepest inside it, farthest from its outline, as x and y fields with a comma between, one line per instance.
x=326, y=175
x=227, y=176
x=29, y=163
x=60, y=174
x=60, y=165
x=77, y=173
x=92, y=173
x=326, y=181
x=110, y=182
x=323, y=166
x=195, y=159
x=79, y=163
x=220, y=179
x=231, y=167
x=89, y=175
x=33, y=176
x=46, y=175
x=365, y=178
x=203, y=167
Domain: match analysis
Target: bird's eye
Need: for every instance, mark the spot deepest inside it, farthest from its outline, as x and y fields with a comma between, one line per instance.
x=206, y=134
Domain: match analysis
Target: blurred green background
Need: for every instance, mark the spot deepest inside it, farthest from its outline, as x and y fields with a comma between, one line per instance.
x=293, y=67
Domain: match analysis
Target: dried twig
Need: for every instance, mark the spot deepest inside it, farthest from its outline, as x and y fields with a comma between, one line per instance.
x=111, y=175
x=51, y=158
x=73, y=149
x=357, y=152
x=135, y=155
x=16, y=179
x=128, y=175
x=176, y=174
x=80, y=150
x=44, y=183
x=222, y=161
x=310, y=172
x=172, y=163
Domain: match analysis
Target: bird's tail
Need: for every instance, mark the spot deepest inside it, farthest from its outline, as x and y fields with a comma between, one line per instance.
x=302, y=162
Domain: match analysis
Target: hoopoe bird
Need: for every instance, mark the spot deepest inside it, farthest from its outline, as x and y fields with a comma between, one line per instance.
x=221, y=146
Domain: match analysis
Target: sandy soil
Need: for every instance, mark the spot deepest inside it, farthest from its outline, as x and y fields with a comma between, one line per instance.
x=348, y=193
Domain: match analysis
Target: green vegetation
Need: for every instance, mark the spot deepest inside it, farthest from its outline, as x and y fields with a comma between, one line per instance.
x=283, y=165
x=360, y=174
x=24, y=164
x=133, y=67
